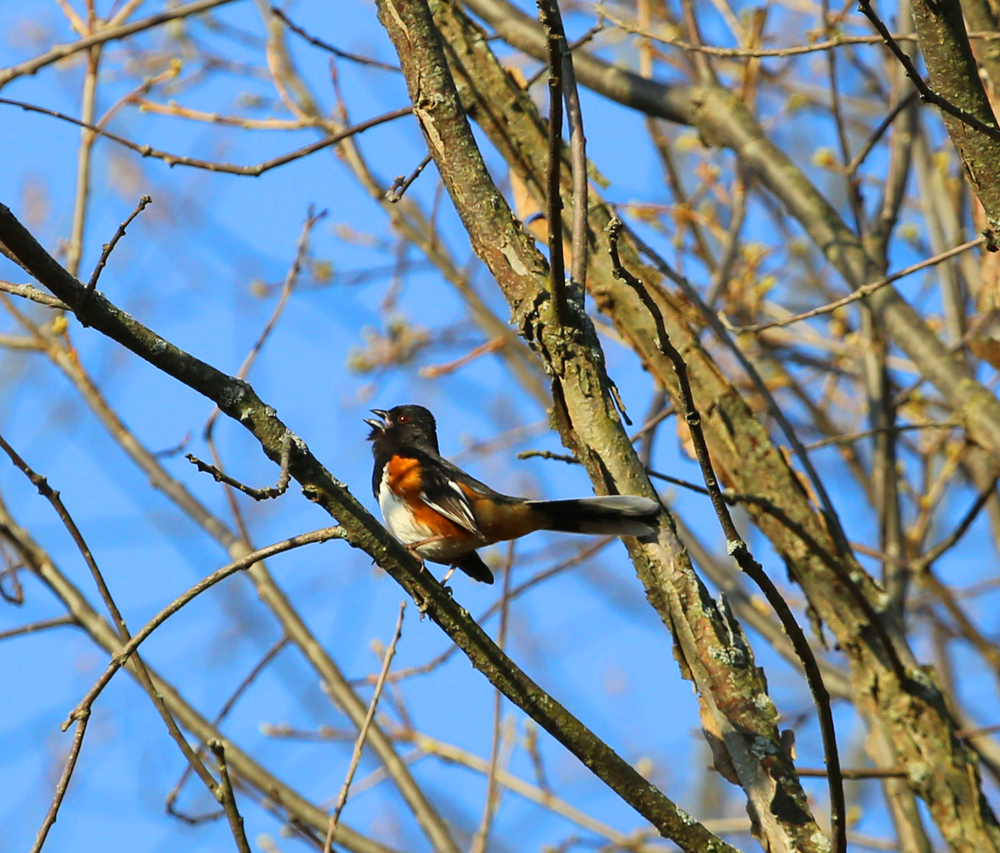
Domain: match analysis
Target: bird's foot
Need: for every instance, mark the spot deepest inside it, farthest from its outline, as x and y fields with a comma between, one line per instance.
x=445, y=579
x=423, y=604
x=413, y=546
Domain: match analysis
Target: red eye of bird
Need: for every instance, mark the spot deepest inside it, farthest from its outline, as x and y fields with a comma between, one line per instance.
x=402, y=419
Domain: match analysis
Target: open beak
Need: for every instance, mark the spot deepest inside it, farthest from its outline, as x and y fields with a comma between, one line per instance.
x=378, y=426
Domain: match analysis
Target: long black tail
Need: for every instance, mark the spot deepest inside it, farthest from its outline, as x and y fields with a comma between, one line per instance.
x=614, y=515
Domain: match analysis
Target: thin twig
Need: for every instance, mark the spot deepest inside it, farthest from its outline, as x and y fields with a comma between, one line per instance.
x=178, y=111
x=481, y=837
x=363, y=733
x=926, y=92
x=75, y=21
x=731, y=246
x=40, y=625
x=241, y=688
x=127, y=8
x=761, y=53
x=933, y=554
x=446, y=752
x=329, y=48
x=67, y=774
x=548, y=454
x=402, y=183
x=142, y=674
x=27, y=291
x=966, y=734
x=74, y=248
x=224, y=794
x=830, y=515
x=731, y=498
x=829, y=511
x=580, y=42
x=852, y=186
x=52, y=496
x=877, y=134
x=128, y=649
x=854, y=773
x=741, y=553
x=578, y=163
x=433, y=371
x=658, y=412
x=61, y=51
x=287, y=287
x=109, y=247
x=868, y=433
x=570, y=562
x=860, y=293
x=264, y=494
x=209, y=165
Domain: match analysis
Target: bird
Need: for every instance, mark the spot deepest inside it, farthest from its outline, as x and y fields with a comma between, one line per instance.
x=443, y=515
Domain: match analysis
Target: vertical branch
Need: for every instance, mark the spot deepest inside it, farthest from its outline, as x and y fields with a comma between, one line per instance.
x=44, y=489
x=63, y=784
x=109, y=247
x=363, y=733
x=555, y=40
x=74, y=250
x=224, y=794
x=833, y=81
x=882, y=415
x=957, y=91
x=739, y=551
x=243, y=686
x=578, y=163
x=481, y=837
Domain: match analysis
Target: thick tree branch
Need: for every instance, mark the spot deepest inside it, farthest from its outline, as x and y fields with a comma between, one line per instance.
x=237, y=399
x=739, y=442
x=954, y=74
x=589, y=424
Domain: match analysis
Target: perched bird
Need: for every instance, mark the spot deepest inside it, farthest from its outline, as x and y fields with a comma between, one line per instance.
x=438, y=511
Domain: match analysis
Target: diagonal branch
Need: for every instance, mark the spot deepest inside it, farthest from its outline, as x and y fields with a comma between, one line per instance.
x=210, y=165
x=238, y=400
x=363, y=732
x=741, y=553
x=61, y=51
x=709, y=642
x=926, y=92
x=296, y=807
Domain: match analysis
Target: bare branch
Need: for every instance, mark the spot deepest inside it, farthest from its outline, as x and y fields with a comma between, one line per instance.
x=225, y=795
x=264, y=494
x=128, y=649
x=210, y=165
x=363, y=733
x=329, y=48
x=860, y=293
x=27, y=291
x=926, y=93
x=548, y=14
x=67, y=774
x=103, y=36
x=741, y=553
x=109, y=247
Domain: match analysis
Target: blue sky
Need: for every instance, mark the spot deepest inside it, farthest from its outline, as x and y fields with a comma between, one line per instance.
x=189, y=268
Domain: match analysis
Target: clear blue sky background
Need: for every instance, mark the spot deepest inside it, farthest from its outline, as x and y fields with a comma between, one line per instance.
x=186, y=268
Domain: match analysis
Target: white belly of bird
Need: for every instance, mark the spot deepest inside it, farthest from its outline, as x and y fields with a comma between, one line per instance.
x=404, y=526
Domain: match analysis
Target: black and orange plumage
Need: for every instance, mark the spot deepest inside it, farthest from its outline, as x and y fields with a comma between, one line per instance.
x=444, y=515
